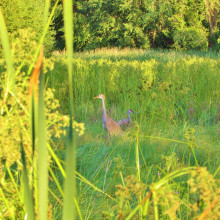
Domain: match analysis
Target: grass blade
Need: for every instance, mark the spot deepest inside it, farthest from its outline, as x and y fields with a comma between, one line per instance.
x=6, y=48
x=146, y=201
x=54, y=156
x=56, y=181
x=78, y=209
x=42, y=149
x=28, y=196
x=46, y=10
x=33, y=125
x=43, y=36
x=79, y=176
x=138, y=170
x=7, y=204
x=70, y=181
x=13, y=181
x=156, y=213
x=69, y=185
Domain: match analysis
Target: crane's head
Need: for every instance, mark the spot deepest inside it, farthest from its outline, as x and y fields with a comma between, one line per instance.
x=131, y=111
x=101, y=96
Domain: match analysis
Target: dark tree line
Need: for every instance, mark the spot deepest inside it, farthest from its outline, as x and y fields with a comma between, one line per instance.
x=180, y=24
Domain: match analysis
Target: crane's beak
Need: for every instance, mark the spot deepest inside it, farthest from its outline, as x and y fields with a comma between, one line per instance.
x=96, y=97
x=133, y=112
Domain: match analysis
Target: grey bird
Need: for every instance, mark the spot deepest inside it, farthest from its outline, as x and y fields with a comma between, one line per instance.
x=126, y=122
x=109, y=124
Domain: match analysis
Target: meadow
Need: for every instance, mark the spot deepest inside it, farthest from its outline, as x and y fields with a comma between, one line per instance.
x=57, y=161
x=176, y=97
x=169, y=156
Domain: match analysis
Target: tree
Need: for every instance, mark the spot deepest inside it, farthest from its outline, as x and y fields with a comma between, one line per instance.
x=212, y=10
x=138, y=23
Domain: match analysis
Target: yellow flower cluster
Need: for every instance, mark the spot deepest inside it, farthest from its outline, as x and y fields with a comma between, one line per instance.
x=206, y=188
x=79, y=127
x=17, y=123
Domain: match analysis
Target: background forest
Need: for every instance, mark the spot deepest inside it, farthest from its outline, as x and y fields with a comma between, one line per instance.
x=180, y=24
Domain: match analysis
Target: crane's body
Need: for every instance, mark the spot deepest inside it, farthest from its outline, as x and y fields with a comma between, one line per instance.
x=109, y=124
x=126, y=122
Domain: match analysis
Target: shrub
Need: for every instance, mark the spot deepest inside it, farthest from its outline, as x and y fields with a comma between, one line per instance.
x=29, y=22
x=190, y=38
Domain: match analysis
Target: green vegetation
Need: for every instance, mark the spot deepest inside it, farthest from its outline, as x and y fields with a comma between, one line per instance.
x=25, y=22
x=142, y=24
x=57, y=161
x=179, y=24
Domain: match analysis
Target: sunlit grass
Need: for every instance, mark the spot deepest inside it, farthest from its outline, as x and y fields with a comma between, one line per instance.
x=166, y=84
x=164, y=117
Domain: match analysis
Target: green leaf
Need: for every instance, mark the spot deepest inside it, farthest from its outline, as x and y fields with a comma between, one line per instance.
x=10, y=80
x=70, y=181
x=28, y=196
x=42, y=153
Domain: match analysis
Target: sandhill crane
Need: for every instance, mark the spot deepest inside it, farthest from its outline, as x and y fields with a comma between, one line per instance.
x=126, y=122
x=109, y=124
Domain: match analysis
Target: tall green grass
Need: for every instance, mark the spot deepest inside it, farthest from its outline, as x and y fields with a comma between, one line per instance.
x=38, y=121
x=169, y=85
x=177, y=100
x=70, y=181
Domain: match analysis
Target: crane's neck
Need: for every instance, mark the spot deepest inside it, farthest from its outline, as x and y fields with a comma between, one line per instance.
x=129, y=116
x=103, y=108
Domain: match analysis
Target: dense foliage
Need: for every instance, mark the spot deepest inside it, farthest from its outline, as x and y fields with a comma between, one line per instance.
x=176, y=117
x=142, y=24
x=123, y=23
x=25, y=20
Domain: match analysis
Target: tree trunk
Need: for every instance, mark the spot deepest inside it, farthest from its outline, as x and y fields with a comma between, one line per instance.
x=212, y=11
x=154, y=37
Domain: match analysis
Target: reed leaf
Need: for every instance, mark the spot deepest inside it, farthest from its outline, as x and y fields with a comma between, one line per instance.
x=56, y=181
x=10, y=80
x=46, y=10
x=78, y=209
x=70, y=181
x=54, y=156
x=33, y=125
x=28, y=196
x=69, y=185
x=138, y=169
x=43, y=36
x=171, y=176
x=42, y=148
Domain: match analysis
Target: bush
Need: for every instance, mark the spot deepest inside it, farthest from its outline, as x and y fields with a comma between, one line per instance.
x=29, y=22
x=190, y=38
